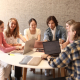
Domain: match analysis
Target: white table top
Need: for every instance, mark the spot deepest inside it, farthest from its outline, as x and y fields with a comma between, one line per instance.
x=14, y=60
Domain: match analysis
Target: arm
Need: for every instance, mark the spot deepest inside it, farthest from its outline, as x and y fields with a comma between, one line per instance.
x=5, y=50
x=65, y=44
x=4, y=42
x=26, y=34
x=15, y=44
x=27, y=37
x=39, y=37
x=61, y=61
x=63, y=34
x=46, y=38
x=22, y=38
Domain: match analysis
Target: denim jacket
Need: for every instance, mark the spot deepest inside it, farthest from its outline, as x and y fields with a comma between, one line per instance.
x=60, y=33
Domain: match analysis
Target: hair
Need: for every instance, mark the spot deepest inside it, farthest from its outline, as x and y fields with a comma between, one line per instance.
x=1, y=22
x=16, y=30
x=76, y=27
x=52, y=18
x=32, y=19
x=70, y=22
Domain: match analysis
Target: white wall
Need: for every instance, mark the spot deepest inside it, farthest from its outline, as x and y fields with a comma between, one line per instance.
x=23, y=10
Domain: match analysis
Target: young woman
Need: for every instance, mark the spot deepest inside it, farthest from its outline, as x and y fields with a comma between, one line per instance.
x=4, y=67
x=70, y=57
x=54, y=32
x=32, y=31
x=68, y=24
x=11, y=35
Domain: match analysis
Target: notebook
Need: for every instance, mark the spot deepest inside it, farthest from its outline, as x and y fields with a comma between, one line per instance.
x=29, y=60
x=52, y=47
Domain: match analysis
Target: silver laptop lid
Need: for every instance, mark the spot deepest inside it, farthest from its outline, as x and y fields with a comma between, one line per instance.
x=29, y=45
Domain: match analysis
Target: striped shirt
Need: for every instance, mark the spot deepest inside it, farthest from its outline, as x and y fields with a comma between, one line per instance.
x=69, y=57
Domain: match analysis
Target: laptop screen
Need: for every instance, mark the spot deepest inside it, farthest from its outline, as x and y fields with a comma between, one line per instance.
x=51, y=47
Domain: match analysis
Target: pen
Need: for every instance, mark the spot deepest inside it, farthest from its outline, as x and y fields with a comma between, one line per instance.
x=11, y=54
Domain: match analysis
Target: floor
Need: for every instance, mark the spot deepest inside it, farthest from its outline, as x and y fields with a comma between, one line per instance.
x=36, y=76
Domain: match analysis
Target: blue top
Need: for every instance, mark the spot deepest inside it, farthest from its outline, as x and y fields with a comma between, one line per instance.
x=60, y=33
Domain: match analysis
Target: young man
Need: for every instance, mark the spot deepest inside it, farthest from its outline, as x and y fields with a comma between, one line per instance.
x=54, y=32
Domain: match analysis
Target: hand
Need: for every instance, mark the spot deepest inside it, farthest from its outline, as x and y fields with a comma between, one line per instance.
x=11, y=44
x=44, y=56
x=61, y=41
x=19, y=47
x=48, y=57
x=63, y=46
x=16, y=44
x=22, y=47
x=19, y=44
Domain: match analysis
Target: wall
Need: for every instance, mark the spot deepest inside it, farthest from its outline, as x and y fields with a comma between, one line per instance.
x=23, y=10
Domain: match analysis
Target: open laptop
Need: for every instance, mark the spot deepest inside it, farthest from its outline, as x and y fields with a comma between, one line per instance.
x=38, y=44
x=29, y=45
x=52, y=47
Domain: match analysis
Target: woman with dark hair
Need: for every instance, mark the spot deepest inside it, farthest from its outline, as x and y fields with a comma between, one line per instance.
x=54, y=32
x=32, y=31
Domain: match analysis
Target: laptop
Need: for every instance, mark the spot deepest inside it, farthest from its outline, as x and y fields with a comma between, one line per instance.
x=52, y=47
x=29, y=45
x=38, y=44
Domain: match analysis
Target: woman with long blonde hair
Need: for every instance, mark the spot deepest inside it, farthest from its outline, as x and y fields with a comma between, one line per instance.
x=11, y=35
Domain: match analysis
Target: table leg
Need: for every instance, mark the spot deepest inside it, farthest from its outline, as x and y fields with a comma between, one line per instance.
x=58, y=72
x=41, y=71
x=53, y=73
x=62, y=72
x=24, y=73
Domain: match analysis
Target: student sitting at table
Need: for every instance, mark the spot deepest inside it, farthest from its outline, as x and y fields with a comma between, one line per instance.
x=68, y=25
x=11, y=34
x=4, y=67
x=32, y=32
x=54, y=32
x=70, y=56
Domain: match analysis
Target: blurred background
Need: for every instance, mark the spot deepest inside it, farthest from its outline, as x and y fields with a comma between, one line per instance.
x=23, y=10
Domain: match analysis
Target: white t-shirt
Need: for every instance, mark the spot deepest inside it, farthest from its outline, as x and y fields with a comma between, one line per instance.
x=30, y=36
x=53, y=32
x=10, y=40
